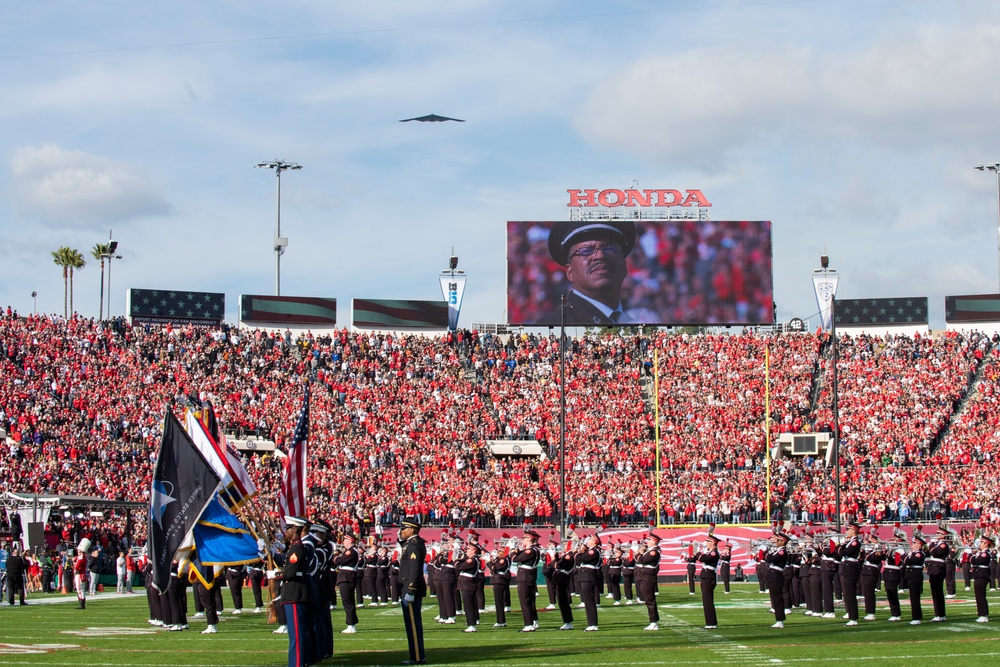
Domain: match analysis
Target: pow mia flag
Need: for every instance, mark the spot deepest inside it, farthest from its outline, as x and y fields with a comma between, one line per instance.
x=183, y=484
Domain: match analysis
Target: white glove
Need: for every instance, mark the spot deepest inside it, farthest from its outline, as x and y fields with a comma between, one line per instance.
x=408, y=597
x=271, y=574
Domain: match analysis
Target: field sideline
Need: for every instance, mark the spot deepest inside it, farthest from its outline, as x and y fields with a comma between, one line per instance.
x=113, y=631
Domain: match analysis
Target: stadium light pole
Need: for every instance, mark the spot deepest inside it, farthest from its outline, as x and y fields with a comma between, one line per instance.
x=562, y=417
x=110, y=255
x=995, y=167
x=280, y=242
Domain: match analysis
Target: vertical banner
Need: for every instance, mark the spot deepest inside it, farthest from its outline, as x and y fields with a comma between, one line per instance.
x=453, y=289
x=825, y=283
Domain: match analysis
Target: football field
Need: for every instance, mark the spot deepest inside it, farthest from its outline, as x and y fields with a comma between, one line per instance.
x=112, y=630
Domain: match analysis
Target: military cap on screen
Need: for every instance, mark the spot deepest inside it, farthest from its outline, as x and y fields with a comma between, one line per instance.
x=319, y=529
x=654, y=536
x=531, y=533
x=564, y=235
x=714, y=538
x=988, y=539
x=854, y=524
x=918, y=538
x=348, y=535
x=410, y=522
x=295, y=521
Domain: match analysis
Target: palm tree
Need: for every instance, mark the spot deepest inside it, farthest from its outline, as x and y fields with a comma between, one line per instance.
x=64, y=257
x=100, y=251
x=77, y=261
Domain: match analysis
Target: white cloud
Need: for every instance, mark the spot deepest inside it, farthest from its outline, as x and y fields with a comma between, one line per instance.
x=70, y=188
x=932, y=85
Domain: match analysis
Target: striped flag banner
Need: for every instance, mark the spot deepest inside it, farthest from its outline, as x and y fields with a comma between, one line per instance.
x=393, y=313
x=292, y=498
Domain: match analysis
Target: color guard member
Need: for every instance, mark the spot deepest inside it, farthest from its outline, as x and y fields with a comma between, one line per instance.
x=413, y=588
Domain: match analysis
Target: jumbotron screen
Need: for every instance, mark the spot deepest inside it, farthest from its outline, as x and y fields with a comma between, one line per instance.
x=625, y=272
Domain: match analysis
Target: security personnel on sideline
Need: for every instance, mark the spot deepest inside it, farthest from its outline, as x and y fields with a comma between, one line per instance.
x=647, y=568
x=294, y=595
x=413, y=587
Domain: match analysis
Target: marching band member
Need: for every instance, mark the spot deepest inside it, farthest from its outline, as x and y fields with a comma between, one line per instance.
x=587, y=564
x=647, y=568
x=776, y=559
x=966, y=565
x=347, y=564
x=850, y=571
x=527, y=559
x=382, y=565
x=548, y=570
x=500, y=577
x=872, y=557
x=815, y=599
x=628, y=575
x=725, y=556
x=615, y=562
x=892, y=577
x=709, y=559
x=760, y=568
x=691, y=560
x=564, y=566
x=981, y=576
x=914, y=576
x=467, y=569
x=370, y=575
x=447, y=580
x=937, y=570
x=828, y=570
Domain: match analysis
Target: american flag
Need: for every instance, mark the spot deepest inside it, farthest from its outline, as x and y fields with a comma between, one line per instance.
x=292, y=499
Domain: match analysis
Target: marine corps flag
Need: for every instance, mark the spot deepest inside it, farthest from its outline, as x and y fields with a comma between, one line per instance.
x=183, y=484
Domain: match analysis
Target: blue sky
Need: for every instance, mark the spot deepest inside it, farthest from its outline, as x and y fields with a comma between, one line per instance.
x=854, y=125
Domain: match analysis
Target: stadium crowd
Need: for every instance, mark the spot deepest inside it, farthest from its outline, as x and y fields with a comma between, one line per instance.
x=401, y=424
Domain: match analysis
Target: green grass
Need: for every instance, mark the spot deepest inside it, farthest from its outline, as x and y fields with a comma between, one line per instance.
x=743, y=638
